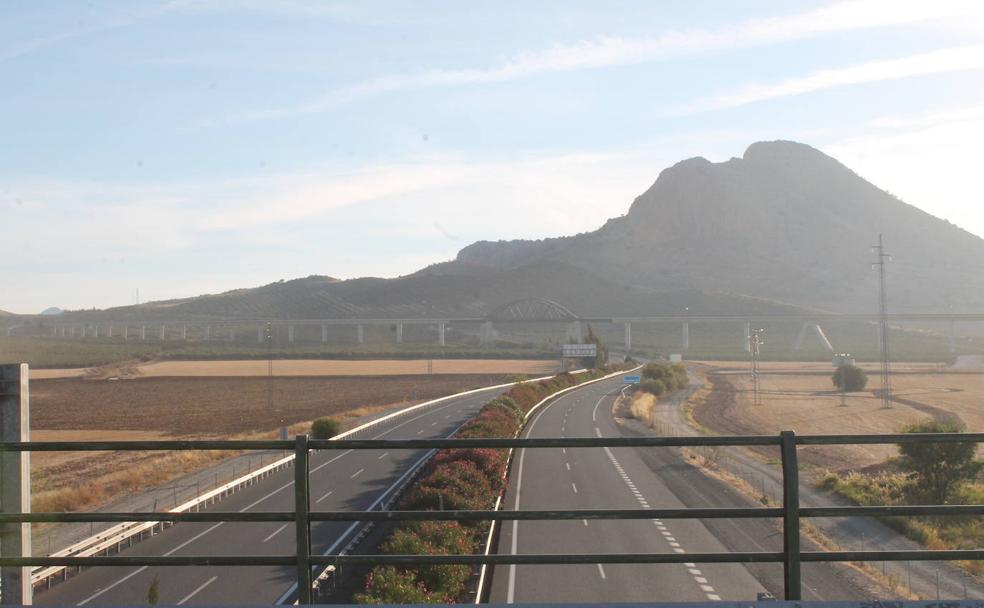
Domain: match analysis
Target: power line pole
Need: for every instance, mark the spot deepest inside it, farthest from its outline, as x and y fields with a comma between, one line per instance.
x=883, y=258
x=755, y=343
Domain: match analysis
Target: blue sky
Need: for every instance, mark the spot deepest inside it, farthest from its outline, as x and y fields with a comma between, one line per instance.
x=186, y=147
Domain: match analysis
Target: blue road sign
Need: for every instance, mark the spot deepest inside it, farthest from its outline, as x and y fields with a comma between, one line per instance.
x=632, y=379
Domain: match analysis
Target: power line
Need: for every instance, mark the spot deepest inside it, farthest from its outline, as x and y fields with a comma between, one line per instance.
x=883, y=258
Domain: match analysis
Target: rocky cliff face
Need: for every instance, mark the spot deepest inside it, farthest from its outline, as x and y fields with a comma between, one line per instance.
x=784, y=222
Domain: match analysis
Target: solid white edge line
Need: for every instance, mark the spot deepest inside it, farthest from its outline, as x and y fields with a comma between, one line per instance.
x=274, y=533
x=195, y=592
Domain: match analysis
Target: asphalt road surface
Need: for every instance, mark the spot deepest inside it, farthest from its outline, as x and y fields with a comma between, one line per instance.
x=340, y=480
x=629, y=478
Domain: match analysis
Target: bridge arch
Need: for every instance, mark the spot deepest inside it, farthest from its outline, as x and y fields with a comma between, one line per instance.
x=532, y=309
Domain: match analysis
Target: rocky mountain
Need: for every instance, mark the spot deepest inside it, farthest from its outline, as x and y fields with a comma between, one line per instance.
x=783, y=228
x=785, y=222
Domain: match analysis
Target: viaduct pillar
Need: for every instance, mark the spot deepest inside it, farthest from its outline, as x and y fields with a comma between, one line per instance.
x=290, y=334
x=324, y=333
x=441, y=328
x=399, y=333
x=686, y=335
x=360, y=333
x=628, y=335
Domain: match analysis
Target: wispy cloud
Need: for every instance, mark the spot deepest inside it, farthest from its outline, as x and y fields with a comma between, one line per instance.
x=609, y=51
x=935, y=62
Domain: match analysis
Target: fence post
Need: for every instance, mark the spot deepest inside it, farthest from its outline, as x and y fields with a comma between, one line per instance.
x=791, y=517
x=302, y=503
x=15, y=482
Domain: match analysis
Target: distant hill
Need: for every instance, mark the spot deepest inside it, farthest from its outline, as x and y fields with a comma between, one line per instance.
x=53, y=310
x=4, y=313
x=781, y=229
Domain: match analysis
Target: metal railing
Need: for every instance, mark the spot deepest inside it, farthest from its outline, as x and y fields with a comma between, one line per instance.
x=791, y=556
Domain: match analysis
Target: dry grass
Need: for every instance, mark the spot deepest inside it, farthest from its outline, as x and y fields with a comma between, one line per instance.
x=641, y=405
x=808, y=404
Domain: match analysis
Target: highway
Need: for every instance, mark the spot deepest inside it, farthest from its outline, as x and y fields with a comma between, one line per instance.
x=347, y=480
x=627, y=478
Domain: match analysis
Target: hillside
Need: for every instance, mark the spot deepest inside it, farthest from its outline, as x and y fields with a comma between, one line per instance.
x=783, y=228
x=785, y=222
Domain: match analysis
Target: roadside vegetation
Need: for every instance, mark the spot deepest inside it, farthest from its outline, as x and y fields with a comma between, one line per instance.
x=325, y=428
x=454, y=479
x=939, y=473
x=850, y=378
x=658, y=379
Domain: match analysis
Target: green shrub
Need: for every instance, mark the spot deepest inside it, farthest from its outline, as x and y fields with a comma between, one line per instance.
x=654, y=387
x=325, y=428
x=938, y=469
x=434, y=538
x=387, y=585
x=850, y=378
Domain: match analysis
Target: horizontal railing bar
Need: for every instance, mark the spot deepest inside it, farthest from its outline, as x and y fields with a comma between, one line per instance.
x=203, y=516
x=478, y=559
x=893, y=556
x=415, y=444
x=142, y=446
x=502, y=515
x=887, y=511
x=386, y=444
x=892, y=438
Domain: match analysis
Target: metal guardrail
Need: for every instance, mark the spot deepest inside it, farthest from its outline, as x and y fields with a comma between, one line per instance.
x=791, y=556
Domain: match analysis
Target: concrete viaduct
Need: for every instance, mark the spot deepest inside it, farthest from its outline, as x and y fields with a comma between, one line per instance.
x=532, y=310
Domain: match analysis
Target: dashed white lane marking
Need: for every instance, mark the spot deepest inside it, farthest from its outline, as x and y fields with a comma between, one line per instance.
x=433, y=424
x=601, y=571
x=568, y=465
x=697, y=575
x=383, y=455
x=197, y=589
x=585, y=522
x=420, y=432
x=564, y=451
x=357, y=473
x=275, y=532
x=574, y=487
x=325, y=496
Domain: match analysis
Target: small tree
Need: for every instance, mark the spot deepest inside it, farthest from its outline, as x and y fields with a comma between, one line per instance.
x=850, y=378
x=939, y=469
x=154, y=592
x=325, y=428
x=601, y=356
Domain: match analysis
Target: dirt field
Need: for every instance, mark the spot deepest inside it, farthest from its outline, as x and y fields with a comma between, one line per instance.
x=309, y=367
x=807, y=403
x=162, y=408
x=220, y=406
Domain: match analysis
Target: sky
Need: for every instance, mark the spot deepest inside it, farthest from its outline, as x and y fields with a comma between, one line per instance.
x=184, y=147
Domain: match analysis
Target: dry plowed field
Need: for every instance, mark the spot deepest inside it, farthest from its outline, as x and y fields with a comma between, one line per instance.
x=222, y=406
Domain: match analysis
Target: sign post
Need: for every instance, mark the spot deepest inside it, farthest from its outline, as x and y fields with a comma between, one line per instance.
x=635, y=379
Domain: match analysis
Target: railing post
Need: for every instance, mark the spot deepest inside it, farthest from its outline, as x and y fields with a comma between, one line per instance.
x=791, y=517
x=15, y=481
x=302, y=502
